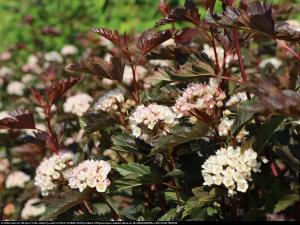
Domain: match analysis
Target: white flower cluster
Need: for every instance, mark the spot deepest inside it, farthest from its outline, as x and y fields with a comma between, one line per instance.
x=232, y=168
x=78, y=104
x=17, y=179
x=200, y=97
x=69, y=50
x=5, y=72
x=145, y=118
x=224, y=129
x=237, y=98
x=220, y=53
x=15, y=88
x=53, y=169
x=53, y=56
x=90, y=173
x=113, y=101
x=224, y=126
x=32, y=210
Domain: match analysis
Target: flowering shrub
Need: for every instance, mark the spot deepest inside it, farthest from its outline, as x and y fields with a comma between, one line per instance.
x=187, y=123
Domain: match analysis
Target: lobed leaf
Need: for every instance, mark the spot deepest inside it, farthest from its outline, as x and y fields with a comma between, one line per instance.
x=59, y=88
x=19, y=119
x=151, y=39
x=189, y=14
x=180, y=135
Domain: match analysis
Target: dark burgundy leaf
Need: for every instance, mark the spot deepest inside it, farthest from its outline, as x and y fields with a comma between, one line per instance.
x=261, y=17
x=90, y=66
x=116, y=68
x=151, y=39
x=38, y=97
x=186, y=35
x=172, y=52
x=189, y=14
x=59, y=88
x=256, y=19
x=273, y=98
x=111, y=70
x=285, y=32
x=19, y=119
x=112, y=36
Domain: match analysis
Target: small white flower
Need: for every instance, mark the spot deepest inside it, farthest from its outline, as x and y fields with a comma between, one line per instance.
x=69, y=50
x=242, y=186
x=52, y=169
x=220, y=53
x=32, y=210
x=53, y=56
x=224, y=126
x=201, y=97
x=17, y=179
x=112, y=101
x=90, y=173
x=5, y=72
x=230, y=167
x=27, y=78
x=145, y=118
x=237, y=98
x=78, y=104
x=15, y=88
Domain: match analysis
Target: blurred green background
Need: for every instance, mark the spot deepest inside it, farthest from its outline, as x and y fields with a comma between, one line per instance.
x=26, y=21
x=22, y=21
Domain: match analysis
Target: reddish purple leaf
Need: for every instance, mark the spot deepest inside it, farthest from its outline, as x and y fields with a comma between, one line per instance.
x=112, y=36
x=112, y=70
x=151, y=39
x=19, y=119
x=59, y=88
x=189, y=14
x=38, y=97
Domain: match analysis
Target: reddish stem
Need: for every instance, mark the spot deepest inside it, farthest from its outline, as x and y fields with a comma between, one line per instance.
x=282, y=44
x=51, y=131
x=217, y=68
x=238, y=51
x=274, y=170
x=136, y=93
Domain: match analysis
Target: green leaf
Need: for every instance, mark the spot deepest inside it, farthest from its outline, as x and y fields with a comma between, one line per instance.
x=151, y=215
x=60, y=204
x=133, y=168
x=171, y=214
x=200, y=199
x=170, y=196
x=93, y=122
x=286, y=201
x=242, y=117
x=133, y=180
x=181, y=135
x=175, y=173
x=124, y=142
x=265, y=132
